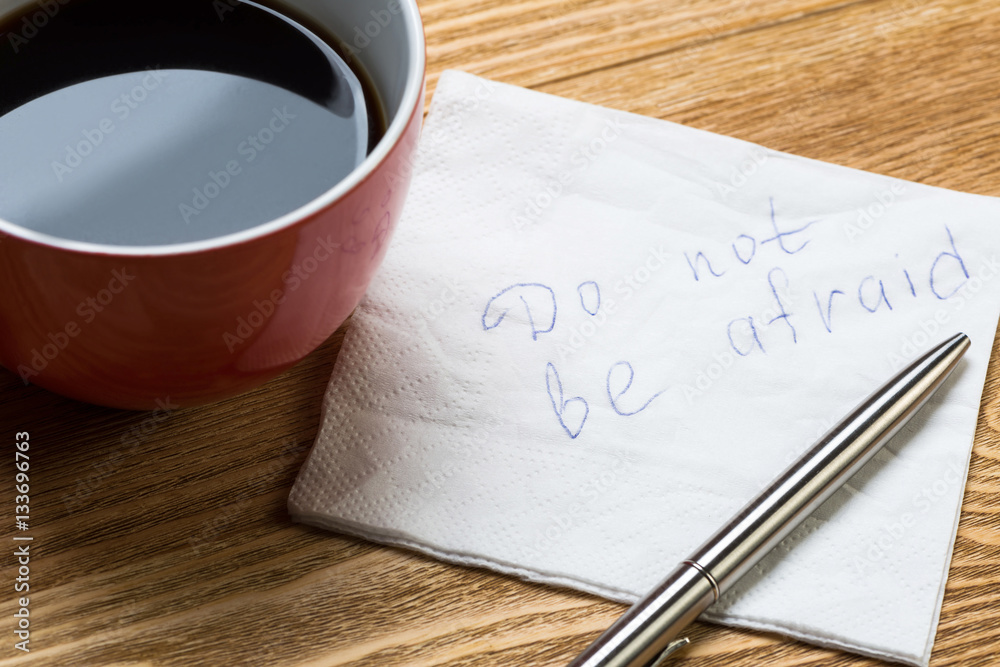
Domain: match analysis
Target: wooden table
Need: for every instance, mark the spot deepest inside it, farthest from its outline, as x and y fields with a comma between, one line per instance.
x=167, y=542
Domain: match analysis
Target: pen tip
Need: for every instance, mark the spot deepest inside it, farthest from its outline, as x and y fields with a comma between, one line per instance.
x=953, y=348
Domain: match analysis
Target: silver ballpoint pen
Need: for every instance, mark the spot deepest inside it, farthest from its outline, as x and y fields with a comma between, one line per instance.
x=647, y=633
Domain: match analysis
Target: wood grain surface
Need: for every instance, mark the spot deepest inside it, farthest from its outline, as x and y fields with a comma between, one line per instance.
x=166, y=541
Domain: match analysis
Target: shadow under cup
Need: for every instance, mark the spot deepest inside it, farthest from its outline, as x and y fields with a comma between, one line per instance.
x=137, y=326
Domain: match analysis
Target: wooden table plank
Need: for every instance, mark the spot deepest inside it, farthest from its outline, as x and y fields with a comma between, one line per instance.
x=168, y=543
x=857, y=87
x=528, y=42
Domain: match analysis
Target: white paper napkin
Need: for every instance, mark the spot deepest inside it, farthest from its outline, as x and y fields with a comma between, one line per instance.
x=596, y=335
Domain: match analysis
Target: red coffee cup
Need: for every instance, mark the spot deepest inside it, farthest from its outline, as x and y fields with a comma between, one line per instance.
x=127, y=326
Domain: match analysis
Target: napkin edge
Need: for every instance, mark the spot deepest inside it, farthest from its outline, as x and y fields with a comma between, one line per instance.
x=469, y=560
x=932, y=635
x=823, y=642
x=536, y=577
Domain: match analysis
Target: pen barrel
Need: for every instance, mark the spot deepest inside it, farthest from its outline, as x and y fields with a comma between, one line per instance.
x=642, y=637
x=643, y=633
x=825, y=467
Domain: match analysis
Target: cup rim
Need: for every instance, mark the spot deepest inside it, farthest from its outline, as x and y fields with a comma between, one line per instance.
x=397, y=127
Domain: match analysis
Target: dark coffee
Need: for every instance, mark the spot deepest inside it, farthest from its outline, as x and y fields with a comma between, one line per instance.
x=142, y=123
